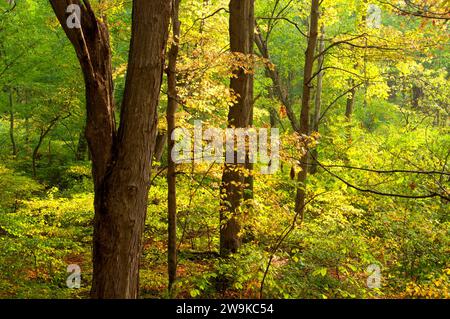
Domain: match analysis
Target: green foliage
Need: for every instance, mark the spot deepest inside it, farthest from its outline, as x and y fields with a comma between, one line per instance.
x=400, y=122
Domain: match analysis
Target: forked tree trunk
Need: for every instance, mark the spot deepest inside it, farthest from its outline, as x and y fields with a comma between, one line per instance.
x=121, y=159
x=306, y=99
x=233, y=180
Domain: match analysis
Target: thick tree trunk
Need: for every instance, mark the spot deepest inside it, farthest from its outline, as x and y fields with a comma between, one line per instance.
x=121, y=160
x=233, y=181
x=304, y=117
x=171, y=125
x=318, y=100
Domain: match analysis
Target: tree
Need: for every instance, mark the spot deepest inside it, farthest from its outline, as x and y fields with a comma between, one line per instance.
x=233, y=179
x=43, y=132
x=318, y=98
x=121, y=158
x=279, y=89
x=171, y=125
x=306, y=100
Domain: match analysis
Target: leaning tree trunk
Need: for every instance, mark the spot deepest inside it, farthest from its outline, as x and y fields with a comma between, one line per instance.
x=121, y=159
x=233, y=179
x=171, y=125
x=304, y=116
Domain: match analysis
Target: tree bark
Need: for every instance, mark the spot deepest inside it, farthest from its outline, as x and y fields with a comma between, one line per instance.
x=318, y=99
x=121, y=159
x=306, y=97
x=171, y=125
x=233, y=181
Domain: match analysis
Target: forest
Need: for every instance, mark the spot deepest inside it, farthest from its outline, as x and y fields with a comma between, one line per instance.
x=224, y=149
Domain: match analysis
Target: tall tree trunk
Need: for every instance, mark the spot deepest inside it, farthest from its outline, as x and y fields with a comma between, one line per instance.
x=121, y=159
x=11, y=123
x=233, y=181
x=306, y=97
x=318, y=99
x=171, y=125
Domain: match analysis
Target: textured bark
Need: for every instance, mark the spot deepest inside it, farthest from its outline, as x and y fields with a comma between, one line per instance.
x=233, y=181
x=121, y=160
x=306, y=99
x=318, y=99
x=171, y=126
